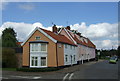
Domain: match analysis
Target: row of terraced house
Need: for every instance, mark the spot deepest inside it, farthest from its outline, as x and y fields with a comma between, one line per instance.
x=44, y=48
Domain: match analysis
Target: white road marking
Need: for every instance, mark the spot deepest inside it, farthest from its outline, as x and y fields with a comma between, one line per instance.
x=20, y=76
x=3, y=78
x=30, y=77
x=71, y=76
x=65, y=76
x=36, y=77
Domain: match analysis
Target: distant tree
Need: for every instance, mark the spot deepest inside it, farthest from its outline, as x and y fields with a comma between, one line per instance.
x=118, y=51
x=9, y=38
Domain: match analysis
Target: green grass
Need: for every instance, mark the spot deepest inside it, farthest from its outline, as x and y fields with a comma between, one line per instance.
x=9, y=69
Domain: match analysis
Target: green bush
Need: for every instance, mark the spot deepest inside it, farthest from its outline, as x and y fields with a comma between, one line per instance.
x=37, y=69
x=9, y=59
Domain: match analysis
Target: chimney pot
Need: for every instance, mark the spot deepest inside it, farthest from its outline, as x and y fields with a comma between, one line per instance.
x=54, y=29
x=79, y=34
x=68, y=27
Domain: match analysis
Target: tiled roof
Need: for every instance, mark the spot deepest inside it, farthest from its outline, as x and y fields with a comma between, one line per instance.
x=58, y=37
x=19, y=43
x=82, y=42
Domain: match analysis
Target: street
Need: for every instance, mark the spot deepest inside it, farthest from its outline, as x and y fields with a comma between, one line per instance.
x=90, y=70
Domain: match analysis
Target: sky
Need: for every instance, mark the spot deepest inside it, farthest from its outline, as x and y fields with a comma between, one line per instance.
x=96, y=20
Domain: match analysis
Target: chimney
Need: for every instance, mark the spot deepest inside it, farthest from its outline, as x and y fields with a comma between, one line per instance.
x=54, y=29
x=79, y=34
x=68, y=27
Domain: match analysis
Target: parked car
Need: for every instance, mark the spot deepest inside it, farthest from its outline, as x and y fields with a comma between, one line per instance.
x=113, y=60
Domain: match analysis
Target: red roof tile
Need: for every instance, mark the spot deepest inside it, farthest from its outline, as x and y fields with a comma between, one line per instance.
x=19, y=43
x=76, y=38
x=58, y=37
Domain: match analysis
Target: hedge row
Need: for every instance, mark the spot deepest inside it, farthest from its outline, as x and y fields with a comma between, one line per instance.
x=37, y=69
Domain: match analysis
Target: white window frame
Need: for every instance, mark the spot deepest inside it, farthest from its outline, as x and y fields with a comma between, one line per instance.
x=59, y=45
x=36, y=38
x=38, y=63
x=39, y=45
x=66, y=46
x=46, y=48
x=34, y=61
x=46, y=62
x=66, y=56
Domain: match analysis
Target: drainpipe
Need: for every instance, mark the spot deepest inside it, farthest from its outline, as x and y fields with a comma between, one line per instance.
x=56, y=56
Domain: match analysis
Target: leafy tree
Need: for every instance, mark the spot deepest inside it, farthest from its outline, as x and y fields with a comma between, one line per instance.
x=118, y=51
x=9, y=38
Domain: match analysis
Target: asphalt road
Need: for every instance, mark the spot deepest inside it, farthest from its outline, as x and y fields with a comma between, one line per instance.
x=90, y=70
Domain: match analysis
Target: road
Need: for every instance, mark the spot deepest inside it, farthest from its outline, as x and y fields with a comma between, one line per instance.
x=90, y=70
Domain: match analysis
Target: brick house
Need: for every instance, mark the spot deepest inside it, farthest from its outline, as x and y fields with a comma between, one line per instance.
x=43, y=48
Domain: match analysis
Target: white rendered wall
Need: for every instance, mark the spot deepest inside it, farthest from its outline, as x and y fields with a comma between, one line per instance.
x=68, y=51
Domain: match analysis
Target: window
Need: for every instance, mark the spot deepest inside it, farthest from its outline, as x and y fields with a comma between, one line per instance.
x=43, y=47
x=74, y=47
x=37, y=37
x=35, y=47
x=66, y=58
x=38, y=47
x=65, y=45
x=74, y=57
x=60, y=45
x=71, y=47
x=34, y=61
x=71, y=58
x=43, y=61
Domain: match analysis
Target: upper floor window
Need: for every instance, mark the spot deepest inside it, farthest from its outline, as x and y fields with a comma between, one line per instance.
x=37, y=37
x=65, y=45
x=38, y=47
x=74, y=47
x=71, y=47
x=60, y=45
x=43, y=47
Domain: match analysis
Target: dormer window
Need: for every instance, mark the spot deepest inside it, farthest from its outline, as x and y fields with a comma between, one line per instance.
x=37, y=37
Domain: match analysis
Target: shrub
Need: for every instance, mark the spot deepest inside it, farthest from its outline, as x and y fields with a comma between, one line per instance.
x=9, y=59
x=37, y=69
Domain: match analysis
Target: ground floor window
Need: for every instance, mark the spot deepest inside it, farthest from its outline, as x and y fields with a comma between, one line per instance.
x=38, y=61
x=34, y=61
x=66, y=58
x=43, y=61
x=74, y=57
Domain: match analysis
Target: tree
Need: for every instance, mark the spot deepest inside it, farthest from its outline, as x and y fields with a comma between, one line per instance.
x=9, y=38
x=118, y=51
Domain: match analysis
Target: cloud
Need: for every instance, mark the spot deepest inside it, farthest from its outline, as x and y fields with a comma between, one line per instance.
x=26, y=6
x=22, y=29
x=99, y=30
x=103, y=35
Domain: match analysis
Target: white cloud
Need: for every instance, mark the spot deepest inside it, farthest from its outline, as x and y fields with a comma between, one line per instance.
x=22, y=29
x=103, y=35
x=26, y=6
x=97, y=30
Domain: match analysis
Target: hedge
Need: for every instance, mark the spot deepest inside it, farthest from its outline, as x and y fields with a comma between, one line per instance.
x=37, y=69
x=9, y=59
